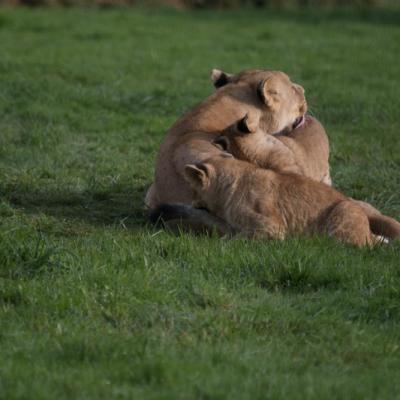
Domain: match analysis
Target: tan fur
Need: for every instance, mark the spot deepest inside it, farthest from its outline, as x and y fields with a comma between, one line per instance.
x=278, y=101
x=266, y=204
x=304, y=150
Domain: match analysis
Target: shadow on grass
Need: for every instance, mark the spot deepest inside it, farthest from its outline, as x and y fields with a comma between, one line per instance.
x=108, y=206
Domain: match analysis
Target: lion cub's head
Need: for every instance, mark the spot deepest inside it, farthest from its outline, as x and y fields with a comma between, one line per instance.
x=244, y=139
x=212, y=181
x=281, y=102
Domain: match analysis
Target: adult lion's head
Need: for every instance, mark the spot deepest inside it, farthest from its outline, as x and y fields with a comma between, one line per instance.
x=282, y=103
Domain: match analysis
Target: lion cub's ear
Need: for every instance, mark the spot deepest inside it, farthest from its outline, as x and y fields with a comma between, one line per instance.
x=248, y=124
x=268, y=93
x=220, y=78
x=197, y=175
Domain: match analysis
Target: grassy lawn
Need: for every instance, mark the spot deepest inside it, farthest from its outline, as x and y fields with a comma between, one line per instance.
x=97, y=304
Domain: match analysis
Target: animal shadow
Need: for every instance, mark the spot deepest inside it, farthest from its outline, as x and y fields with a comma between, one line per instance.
x=106, y=206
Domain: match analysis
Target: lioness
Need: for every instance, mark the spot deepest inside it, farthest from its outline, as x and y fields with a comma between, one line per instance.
x=280, y=103
x=262, y=203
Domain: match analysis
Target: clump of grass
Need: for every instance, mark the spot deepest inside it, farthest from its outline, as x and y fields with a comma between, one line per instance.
x=22, y=257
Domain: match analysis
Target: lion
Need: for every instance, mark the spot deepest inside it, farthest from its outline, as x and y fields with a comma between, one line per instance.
x=260, y=203
x=280, y=103
x=304, y=150
x=246, y=141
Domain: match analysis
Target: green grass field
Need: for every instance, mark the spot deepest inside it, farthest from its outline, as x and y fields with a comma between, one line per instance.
x=97, y=304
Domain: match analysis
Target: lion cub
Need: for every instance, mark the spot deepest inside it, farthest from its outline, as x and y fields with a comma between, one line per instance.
x=303, y=151
x=263, y=203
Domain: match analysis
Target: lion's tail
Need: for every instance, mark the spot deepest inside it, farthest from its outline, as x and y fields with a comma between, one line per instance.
x=380, y=224
x=167, y=212
x=384, y=226
x=183, y=217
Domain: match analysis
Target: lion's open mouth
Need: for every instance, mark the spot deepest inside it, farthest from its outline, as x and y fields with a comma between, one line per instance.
x=299, y=122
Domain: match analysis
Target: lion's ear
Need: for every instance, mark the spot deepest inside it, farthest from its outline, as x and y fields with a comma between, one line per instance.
x=248, y=124
x=220, y=78
x=267, y=93
x=221, y=142
x=197, y=175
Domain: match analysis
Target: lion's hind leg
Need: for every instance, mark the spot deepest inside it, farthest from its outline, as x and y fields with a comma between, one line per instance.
x=348, y=223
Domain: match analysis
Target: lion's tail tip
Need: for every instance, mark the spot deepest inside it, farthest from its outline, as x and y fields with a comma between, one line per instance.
x=166, y=212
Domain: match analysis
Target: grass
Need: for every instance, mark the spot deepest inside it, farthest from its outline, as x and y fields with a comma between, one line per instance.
x=95, y=303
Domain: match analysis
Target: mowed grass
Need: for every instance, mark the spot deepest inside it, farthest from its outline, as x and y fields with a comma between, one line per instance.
x=95, y=303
